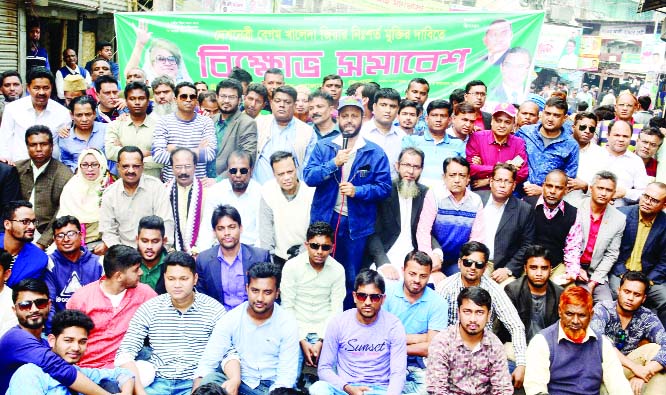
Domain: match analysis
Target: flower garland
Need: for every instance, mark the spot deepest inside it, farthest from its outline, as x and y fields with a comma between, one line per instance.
x=188, y=241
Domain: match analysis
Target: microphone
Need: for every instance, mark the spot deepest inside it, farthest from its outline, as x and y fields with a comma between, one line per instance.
x=345, y=142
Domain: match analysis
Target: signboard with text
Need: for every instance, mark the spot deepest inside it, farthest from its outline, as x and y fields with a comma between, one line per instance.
x=447, y=49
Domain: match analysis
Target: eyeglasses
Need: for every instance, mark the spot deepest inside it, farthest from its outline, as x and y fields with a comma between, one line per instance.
x=411, y=166
x=184, y=96
x=27, y=305
x=85, y=165
x=479, y=94
x=620, y=339
x=69, y=234
x=183, y=167
x=584, y=128
x=362, y=297
x=167, y=59
x=469, y=262
x=502, y=182
x=650, y=199
x=243, y=170
x=26, y=221
x=324, y=247
x=227, y=97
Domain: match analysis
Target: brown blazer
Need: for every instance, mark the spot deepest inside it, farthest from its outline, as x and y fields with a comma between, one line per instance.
x=241, y=134
x=48, y=188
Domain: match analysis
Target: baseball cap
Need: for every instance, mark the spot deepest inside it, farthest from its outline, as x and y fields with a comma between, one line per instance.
x=506, y=108
x=349, y=101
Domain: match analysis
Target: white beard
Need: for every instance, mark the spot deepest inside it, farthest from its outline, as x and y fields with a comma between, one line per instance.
x=408, y=189
x=164, y=109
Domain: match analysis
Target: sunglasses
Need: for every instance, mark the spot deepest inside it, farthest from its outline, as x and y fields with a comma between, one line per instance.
x=324, y=247
x=620, y=339
x=243, y=170
x=469, y=262
x=27, y=305
x=583, y=128
x=184, y=96
x=362, y=297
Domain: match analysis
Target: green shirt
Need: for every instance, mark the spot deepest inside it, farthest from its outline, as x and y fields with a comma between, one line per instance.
x=150, y=277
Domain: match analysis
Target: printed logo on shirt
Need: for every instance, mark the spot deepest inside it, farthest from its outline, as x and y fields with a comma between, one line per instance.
x=354, y=346
x=72, y=286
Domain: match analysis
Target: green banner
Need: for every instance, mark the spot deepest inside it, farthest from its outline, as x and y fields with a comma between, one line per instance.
x=447, y=49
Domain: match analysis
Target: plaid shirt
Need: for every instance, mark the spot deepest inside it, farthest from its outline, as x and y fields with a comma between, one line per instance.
x=454, y=369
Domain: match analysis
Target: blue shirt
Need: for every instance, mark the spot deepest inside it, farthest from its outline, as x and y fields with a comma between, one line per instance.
x=267, y=352
x=232, y=280
x=71, y=146
x=281, y=140
x=435, y=153
x=429, y=312
x=30, y=379
x=561, y=153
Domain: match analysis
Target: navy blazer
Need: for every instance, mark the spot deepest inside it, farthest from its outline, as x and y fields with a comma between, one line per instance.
x=653, y=258
x=515, y=232
x=210, y=272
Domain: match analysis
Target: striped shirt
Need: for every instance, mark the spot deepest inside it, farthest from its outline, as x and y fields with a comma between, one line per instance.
x=178, y=339
x=502, y=308
x=189, y=134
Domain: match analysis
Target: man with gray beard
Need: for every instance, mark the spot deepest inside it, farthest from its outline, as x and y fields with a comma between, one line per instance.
x=164, y=96
x=398, y=216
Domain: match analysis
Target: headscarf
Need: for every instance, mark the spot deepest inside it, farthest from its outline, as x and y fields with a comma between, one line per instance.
x=81, y=197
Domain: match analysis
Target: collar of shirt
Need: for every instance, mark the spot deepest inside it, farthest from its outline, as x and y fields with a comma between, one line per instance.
x=142, y=185
x=36, y=172
x=74, y=70
x=448, y=194
x=148, y=121
x=458, y=342
x=360, y=141
x=398, y=291
x=371, y=127
x=95, y=129
x=563, y=336
x=451, y=134
x=631, y=121
x=318, y=131
x=238, y=258
x=194, y=307
x=492, y=200
x=491, y=140
x=289, y=126
x=550, y=213
x=428, y=137
x=646, y=223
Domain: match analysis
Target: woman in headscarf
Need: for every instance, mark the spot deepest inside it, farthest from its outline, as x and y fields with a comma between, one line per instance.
x=82, y=196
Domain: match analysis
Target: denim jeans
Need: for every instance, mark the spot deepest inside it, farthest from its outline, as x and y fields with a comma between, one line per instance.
x=218, y=378
x=415, y=384
x=169, y=386
x=311, y=338
x=324, y=388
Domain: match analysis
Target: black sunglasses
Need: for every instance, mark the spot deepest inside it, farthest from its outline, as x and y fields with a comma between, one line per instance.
x=469, y=262
x=362, y=297
x=583, y=128
x=243, y=170
x=324, y=247
x=184, y=96
x=27, y=305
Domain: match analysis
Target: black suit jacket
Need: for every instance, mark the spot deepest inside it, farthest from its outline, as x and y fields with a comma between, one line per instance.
x=521, y=297
x=9, y=179
x=653, y=258
x=387, y=226
x=210, y=273
x=514, y=233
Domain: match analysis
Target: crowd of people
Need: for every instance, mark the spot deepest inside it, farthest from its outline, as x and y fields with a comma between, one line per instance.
x=256, y=238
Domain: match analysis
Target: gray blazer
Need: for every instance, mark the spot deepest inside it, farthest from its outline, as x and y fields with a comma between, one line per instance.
x=241, y=134
x=607, y=246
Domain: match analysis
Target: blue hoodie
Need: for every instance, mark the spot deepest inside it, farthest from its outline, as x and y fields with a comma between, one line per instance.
x=64, y=277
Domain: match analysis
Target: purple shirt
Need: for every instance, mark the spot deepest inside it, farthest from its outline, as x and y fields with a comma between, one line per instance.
x=374, y=354
x=483, y=145
x=232, y=279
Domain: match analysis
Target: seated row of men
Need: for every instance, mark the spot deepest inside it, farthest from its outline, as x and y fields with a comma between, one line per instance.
x=176, y=341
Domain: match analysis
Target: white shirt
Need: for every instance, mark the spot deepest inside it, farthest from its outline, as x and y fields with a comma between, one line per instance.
x=18, y=116
x=492, y=214
x=247, y=205
x=631, y=175
x=403, y=244
x=7, y=315
x=590, y=162
x=390, y=142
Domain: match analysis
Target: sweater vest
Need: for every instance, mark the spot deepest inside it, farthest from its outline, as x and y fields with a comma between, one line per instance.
x=290, y=217
x=552, y=233
x=575, y=369
x=453, y=224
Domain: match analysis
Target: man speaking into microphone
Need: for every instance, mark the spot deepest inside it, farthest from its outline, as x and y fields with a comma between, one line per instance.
x=351, y=175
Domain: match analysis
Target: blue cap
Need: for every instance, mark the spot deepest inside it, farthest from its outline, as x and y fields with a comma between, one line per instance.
x=350, y=101
x=538, y=100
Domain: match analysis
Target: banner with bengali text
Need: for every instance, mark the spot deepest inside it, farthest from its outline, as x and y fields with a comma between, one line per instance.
x=448, y=49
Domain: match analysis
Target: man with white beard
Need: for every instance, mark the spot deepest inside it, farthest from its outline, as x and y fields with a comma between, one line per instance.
x=164, y=96
x=398, y=216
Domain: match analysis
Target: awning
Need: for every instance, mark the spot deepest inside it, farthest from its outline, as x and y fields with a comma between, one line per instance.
x=650, y=5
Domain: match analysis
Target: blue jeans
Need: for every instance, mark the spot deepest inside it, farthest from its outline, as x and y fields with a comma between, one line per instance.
x=415, y=382
x=169, y=386
x=324, y=388
x=311, y=338
x=349, y=252
x=219, y=378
